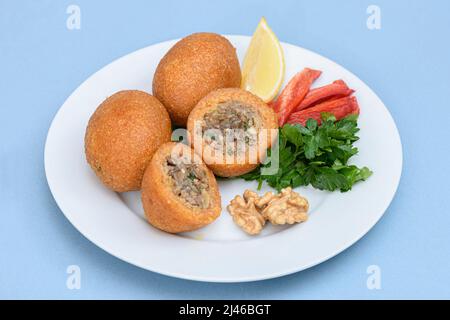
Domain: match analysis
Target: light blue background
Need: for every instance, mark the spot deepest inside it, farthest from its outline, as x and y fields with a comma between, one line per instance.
x=407, y=63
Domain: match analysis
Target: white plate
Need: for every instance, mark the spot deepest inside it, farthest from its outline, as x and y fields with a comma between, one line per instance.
x=220, y=252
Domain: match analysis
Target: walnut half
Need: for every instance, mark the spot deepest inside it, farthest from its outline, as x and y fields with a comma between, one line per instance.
x=287, y=207
x=251, y=211
x=245, y=215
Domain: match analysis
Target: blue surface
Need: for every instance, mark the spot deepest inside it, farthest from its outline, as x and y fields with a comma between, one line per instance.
x=406, y=62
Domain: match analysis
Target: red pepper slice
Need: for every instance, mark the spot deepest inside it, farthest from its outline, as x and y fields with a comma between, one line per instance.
x=337, y=89
x=340, y=108
x=294, y=93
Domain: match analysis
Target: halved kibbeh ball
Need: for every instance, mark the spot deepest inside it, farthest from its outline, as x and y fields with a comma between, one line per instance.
x=122, y=135
x=232, y=129
x=193, y=67
x=179, y=192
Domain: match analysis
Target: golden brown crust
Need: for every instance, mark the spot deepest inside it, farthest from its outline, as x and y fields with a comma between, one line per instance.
x=208, y=103
x=122, y=135
x=163, y=209
x=193, y=67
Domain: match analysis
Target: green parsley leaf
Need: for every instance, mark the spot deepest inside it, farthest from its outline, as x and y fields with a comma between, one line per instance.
x=315, y=155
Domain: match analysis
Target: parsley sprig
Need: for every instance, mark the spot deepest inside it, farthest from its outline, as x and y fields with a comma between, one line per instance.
x=316, y=155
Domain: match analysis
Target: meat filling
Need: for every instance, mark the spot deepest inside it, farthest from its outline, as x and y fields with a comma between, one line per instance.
x=189, y=182
x=237, y=124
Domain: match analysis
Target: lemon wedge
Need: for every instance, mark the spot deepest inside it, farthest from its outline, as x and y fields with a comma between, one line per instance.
x=263, y=68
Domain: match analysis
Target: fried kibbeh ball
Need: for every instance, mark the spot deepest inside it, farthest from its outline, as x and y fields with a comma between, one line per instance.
x=193, y=67
x=179, y=192
x=122, y=135
x=232, y=128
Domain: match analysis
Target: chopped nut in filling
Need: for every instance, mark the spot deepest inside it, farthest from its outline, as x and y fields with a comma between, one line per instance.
x=233, y=125
x=189, y=181
x=250, y=212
